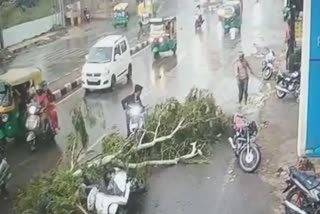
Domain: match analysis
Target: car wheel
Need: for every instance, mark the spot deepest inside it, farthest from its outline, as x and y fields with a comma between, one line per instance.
x=129, y=75
x=113, y=82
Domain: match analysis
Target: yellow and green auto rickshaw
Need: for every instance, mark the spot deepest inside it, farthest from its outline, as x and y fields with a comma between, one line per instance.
x=163, y=35
x=14, y=91
x=230, y=15
x=121, y=15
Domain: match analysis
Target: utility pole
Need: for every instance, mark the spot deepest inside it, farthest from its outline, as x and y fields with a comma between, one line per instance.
x=62, y=14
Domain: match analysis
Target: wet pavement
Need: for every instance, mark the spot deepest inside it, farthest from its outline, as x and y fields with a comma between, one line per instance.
x=65, y=56
x=203, y=60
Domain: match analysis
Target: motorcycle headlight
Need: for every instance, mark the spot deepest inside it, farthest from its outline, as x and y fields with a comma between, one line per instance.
x=161, y=39
x=134, y=111
x=32, y=109
x=151, y=40
x=4, y=118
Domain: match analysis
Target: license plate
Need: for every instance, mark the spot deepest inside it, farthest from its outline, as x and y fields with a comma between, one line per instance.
x=93, y=79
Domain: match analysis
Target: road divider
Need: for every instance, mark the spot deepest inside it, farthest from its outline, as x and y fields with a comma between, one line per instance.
x=76, y=83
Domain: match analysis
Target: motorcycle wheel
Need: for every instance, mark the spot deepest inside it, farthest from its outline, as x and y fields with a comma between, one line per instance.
x=280, y=94
x=250, y=161
x=32, y=145
x=299, y=201
x=267, y=74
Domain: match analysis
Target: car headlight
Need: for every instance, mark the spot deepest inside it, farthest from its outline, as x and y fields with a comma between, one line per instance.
x=161, y=39
x=4, y=118
x=134, y=111
x=32, y=109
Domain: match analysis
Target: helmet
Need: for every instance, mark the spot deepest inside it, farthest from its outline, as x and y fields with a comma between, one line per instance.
x=240, y=54
x=39, y=89
x=198, y=6
x=137, y=88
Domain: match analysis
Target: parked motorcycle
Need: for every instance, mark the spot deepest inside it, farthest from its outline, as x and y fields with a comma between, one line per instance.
x=288, y=83
x=5, y=175
x=244, y=143
x=268, y=65
x=36, y=130
x=303, y=193
x=136, y=121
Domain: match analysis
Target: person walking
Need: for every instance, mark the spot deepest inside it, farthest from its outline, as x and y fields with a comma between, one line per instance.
x=242, y=69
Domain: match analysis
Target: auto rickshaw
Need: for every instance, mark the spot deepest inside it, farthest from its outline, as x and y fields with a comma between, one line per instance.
x=121, y=15
x=230, y=15
x=14, y=87
x=163, y=35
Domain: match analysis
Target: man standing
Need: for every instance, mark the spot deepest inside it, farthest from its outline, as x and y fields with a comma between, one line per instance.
x=242, y=69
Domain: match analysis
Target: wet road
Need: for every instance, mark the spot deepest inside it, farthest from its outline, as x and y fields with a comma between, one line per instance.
x=205, y=61
x=67, y=54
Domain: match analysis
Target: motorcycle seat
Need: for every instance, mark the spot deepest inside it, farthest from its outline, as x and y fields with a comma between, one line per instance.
x=307, y=180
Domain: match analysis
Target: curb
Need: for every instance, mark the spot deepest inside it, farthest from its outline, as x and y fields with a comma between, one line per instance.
x=71, y=86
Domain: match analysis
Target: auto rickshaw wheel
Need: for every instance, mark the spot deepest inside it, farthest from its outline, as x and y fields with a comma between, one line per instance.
x=174, y=50
x=113, y=82
x=129, y=75
x=156, y=55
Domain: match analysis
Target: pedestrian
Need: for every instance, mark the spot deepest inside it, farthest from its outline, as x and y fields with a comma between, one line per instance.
x=242, y=69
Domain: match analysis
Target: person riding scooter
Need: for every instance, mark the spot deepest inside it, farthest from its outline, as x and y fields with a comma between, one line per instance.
x=198, y=13
x=42, y=99
x=87, y=14
x=132, y=99
x=51, y=106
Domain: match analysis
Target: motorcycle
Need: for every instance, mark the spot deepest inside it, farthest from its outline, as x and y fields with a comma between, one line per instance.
x=87, y=16
x=268, y=65
x=198, y=22
x=37, y=130
x=244, y=144
x=288, y=84
x=112, y=195
x=136, y=121
x=5, y=175
x=306, y=188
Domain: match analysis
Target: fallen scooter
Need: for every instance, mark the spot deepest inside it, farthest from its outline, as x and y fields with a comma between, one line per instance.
x=112, y=196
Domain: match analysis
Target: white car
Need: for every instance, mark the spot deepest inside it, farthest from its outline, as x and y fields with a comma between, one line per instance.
x=108, y=61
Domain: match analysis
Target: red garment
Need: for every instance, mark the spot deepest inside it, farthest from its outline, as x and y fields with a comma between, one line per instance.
x=53, y=116
x=42, y=99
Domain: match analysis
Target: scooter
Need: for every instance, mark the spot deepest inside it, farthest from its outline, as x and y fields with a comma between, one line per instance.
x=5, y=175
x=114, y=198
x=87, y=16
x=198, y=22
x=36, y=130
x=137, y=120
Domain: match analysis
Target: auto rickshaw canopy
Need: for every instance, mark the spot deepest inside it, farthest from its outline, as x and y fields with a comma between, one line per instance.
x=18, y=76
x=230, y=8
x=121, y=7
x=161, y=26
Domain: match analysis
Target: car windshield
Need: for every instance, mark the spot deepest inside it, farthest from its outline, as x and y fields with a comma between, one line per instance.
x=100, y=55
x=156, y=28
x=4, y=95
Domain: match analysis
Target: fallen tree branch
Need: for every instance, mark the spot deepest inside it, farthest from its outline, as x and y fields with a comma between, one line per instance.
x=195, y=152
x=160, y=139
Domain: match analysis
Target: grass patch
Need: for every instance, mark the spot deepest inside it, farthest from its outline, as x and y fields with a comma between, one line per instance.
x=10, y=15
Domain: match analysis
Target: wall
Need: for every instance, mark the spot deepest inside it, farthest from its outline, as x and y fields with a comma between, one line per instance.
x=18, y=33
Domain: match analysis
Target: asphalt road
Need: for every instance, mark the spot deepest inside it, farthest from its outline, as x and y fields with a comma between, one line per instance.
x=203, y=60
x=67, y=54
